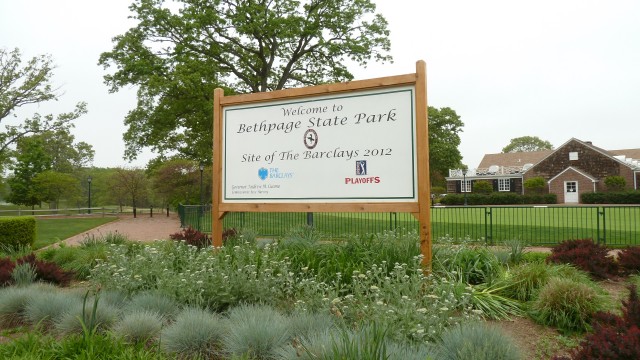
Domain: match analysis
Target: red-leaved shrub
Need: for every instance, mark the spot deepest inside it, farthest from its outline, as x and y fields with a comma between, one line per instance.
x=47, y=271
x=6, y=268
x=586, y=256
x=629, y=260
x=614, y=337
x=192, y=237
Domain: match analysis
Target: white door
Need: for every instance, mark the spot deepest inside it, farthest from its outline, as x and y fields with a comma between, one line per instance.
x=571, y=192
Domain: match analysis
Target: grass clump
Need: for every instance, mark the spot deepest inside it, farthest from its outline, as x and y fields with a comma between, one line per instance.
x=473, y=264
x=47, y=308
x=194, y=333
x=100, y=318
x=23, y=274
x=154, y=302
x=567, y=305
x=13, y=301
x=139, y=326
x=256, y=330
x=476, y=341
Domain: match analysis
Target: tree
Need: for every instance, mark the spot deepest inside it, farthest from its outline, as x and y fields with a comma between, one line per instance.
x=65, y=154
x=177, y=58
x=535, y=185
x=31, y=160
x=444, y=139
x=177, y=181
x=129, y=186
x=527, y=144
x=53, y=186
x=24, y=85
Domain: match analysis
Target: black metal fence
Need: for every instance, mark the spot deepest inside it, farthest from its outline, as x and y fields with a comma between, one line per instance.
x=536, y=225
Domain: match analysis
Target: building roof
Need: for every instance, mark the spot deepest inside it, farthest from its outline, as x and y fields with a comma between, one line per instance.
x=630, y=153
x=513, y=159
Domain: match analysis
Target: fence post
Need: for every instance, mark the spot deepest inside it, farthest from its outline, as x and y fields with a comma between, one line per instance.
x=488, y=226
x=310, y=219
x=602, y=239
x=151, y=211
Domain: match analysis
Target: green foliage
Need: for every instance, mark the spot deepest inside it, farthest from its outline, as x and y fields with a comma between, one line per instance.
x=195, y=332
x=177, y=181
x=237, y=45
x=256, y=330
x=535, y=257
x=527, y=144
x=622, y=197
x=13, y=301
x=53, y=186
x=18, y=231
x=476, y=341
x=87, y=318
x=38, y=346
x=482, y=187
x=139, y=326
x=567, y=305
x=23, y=84
x=473, y=265
x=487, y=300
x=535, y=185
x=523, y=282
x=499, y=198
x=615, y=183
x=445, y=127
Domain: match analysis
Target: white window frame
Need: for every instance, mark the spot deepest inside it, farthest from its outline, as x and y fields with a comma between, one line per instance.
x=465, y=186
x=504, y=184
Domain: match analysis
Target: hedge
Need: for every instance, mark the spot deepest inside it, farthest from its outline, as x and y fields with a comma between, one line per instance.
x=618, y=197
x=17, y=231
x=499, y=199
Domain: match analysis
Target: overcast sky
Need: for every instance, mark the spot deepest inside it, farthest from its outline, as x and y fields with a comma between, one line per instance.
x=553, y=69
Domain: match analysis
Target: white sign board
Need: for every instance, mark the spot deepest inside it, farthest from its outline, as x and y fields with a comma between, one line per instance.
x=341, y=148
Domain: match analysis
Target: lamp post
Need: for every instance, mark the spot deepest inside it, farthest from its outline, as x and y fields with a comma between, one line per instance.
x=201, y=194
x=200, y=209
x=89, y=181
x=464, y=185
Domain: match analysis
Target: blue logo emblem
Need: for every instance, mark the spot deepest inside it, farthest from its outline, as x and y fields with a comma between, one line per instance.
x=361, y=167
x=263, y=173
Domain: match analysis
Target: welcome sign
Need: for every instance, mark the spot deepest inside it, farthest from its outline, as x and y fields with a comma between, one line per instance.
x=357, y=146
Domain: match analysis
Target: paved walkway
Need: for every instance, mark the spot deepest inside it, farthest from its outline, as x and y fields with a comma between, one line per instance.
x=141, y=228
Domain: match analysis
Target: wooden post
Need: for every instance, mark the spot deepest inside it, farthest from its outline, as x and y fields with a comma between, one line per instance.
x=424, y=183
x=216, y=214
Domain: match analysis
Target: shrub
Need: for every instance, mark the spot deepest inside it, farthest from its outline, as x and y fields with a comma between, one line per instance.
x=139, y=326
x=195, y=332
x=614, y=336
x=47, y=271
x=192, y=237
x=476, y=341
x=616, y=197
x=256, y=330
x=567, y=305
x=535, y=257
x=615, y=183
x=482, y=187
x=585, y=255
x=535, y=185
x=629, y=260
x=499, y=198
x=6, y=270
x=13, y=301
x=18, y=231
x=84, y=315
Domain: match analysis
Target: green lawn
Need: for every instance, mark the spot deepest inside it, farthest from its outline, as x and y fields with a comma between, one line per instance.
x=617, y=226
x=49, y=231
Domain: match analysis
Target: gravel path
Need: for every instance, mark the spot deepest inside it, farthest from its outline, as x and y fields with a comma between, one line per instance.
x=141, y=228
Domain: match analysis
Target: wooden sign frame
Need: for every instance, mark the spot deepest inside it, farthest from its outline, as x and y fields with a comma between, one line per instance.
x=420, y=208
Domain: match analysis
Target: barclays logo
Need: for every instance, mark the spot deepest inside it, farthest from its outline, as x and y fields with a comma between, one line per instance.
x=263, y=173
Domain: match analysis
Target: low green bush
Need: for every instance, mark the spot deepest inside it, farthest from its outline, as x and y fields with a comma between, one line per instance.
x=618, y=197
x=17, y=231
x=567, y=305
x=499, y=198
